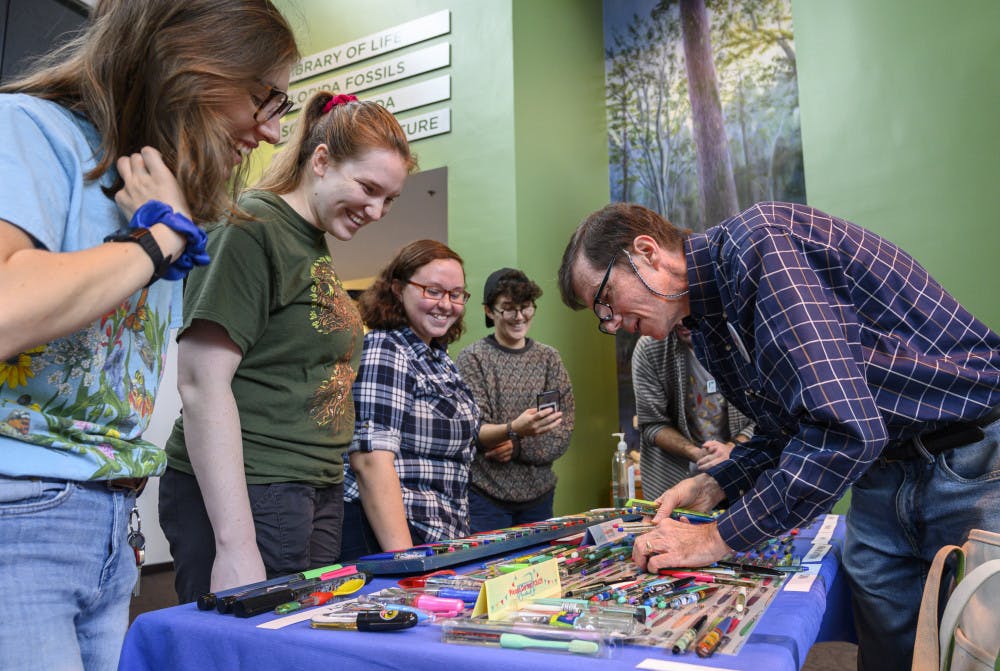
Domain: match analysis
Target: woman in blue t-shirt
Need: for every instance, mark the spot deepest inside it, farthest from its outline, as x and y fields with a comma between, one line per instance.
x=112, y=151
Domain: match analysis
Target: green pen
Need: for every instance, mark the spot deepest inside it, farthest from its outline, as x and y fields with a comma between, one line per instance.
x=510, y=568
x=520, y=642
x=317, y=572
x=749, y=625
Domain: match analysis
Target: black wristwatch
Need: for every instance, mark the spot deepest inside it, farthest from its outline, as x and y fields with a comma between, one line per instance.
x=145, y=239
x=511, y=433
x=514, y=438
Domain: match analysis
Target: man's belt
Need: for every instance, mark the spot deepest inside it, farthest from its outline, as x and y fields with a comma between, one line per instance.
x=956, y=434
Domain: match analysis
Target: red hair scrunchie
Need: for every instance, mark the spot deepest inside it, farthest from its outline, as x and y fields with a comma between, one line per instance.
x=339, y=99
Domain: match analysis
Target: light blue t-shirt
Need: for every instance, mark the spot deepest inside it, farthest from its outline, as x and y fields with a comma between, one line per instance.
x=75, y=408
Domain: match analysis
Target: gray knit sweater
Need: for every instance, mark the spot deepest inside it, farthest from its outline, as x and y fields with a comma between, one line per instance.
x=505, y=383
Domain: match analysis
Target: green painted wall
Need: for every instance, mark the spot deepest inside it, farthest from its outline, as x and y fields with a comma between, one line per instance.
x=899, y=129
x=526, y=159
x=561, y=176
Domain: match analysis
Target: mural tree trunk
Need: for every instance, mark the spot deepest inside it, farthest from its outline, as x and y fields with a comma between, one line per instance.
x=715, y=169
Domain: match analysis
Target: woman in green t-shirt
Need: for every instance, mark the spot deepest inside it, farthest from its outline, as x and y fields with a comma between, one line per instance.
x=267, y=356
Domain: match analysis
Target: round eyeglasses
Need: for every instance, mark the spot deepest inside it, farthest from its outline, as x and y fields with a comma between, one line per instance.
x=456, y=296
x=510, y=314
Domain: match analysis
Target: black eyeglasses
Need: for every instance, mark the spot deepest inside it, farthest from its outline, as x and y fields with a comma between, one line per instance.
x=527, y=312
x=604, y=311
x=456, y=296
x=275, y=104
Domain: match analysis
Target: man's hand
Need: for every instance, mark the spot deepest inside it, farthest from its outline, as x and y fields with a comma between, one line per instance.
x=715, y=453
x=676, y=544
x=700, y=492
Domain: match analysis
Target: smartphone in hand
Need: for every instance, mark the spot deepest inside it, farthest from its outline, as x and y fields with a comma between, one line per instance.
x=548, y=399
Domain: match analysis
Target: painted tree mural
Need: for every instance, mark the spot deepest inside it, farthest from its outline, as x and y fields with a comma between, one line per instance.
x=703, y=116
x=702, y=106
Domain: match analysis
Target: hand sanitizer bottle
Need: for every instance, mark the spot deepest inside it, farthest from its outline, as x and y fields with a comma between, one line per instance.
x=619, y=473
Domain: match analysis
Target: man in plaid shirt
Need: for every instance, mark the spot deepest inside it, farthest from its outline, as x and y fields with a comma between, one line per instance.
x=857, y=366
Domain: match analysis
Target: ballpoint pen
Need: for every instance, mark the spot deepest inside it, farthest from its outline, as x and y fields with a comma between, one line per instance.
x=707, y=646
x=520, y=641
x=421, y=580
x=638, y=613
x=701, y=576
x=469, y=594
x=685, y=639
x=750, y=568
x=452, y=582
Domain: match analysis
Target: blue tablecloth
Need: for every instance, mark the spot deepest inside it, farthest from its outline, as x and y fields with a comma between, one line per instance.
x=183, y=637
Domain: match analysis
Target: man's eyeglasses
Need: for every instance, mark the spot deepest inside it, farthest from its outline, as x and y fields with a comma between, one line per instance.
x=275, y=104
x=603, y=310
x=510, y=314
x=456, y=296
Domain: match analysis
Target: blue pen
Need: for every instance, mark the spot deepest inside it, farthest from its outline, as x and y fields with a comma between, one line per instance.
x=466, y=595
x=422, y=615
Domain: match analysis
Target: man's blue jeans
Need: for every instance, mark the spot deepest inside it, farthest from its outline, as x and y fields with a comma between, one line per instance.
x=901, y=513
x=66, y=574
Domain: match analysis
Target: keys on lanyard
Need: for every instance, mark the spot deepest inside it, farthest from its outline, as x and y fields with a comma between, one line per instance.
x=138, y=544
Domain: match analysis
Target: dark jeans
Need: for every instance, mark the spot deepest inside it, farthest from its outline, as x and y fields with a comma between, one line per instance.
x=487, y=514
x=901, y=513
x=298, y=527
x=359, y=539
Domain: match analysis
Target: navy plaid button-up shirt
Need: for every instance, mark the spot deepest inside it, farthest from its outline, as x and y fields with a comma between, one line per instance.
x=836, y=342
x=409, y=399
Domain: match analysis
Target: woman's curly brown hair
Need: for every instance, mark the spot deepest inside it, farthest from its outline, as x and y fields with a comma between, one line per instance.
x=381, y=304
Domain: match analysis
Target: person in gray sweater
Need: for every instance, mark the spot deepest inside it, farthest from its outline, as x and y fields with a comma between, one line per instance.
x=512, y=481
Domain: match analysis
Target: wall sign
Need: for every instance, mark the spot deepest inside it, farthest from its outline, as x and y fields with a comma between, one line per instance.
x=398, y=100
x=426, y=125
x=389, y=69
x=376, y=44
x=378, y=74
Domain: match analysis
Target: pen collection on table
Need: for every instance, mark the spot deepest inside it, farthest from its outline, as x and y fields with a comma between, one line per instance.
x=597, y=598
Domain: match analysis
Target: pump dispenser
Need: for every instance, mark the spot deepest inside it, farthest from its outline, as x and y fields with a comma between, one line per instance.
x=619, y=473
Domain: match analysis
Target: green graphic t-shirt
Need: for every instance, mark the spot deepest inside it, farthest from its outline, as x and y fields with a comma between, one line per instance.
x=272, y=286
